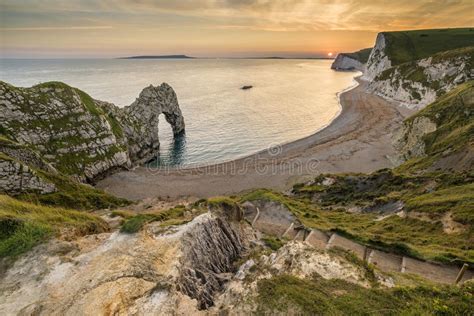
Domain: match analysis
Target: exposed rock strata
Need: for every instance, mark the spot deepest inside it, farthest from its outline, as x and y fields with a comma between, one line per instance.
x=207, y=264
x=394, y=72
x=159, y=271
x=82, y=137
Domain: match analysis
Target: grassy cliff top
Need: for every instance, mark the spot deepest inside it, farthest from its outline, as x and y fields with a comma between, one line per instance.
x=405, y=46
x=361, y=55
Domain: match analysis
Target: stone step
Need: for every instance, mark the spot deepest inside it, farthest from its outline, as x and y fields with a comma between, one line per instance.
x=439, y=273
x=300, y=236
x=317, y=239
x=385, y=261
x=347, y=244
x=290, y=232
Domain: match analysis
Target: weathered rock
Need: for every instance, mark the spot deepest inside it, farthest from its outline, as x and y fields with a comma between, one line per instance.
x=409, y=138
x=177, y=270
x=16, y=178
x=209, y=253
x=140, y=121
x=82, y=137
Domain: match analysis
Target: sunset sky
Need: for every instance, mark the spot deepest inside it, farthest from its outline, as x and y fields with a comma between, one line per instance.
x=214, y=28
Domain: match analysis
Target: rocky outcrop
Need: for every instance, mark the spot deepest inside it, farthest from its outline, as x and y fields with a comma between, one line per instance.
x=352, y=61
x=344, y=62
x=420, y=83
x=409, y=138
x=413, y=69
x=209, y=253
x=174, y=270
x=82, y=137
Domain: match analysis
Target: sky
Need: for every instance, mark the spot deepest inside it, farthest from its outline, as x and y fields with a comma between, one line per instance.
x=212, y=28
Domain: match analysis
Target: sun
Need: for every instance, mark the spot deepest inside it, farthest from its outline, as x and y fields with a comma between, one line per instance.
x=329, y=54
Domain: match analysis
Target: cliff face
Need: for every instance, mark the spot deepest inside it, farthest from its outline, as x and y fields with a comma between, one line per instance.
x=81, y=137
x=417, y=84
x=413, y=68
x=352, y=61
x=378, y=59
x=440, y=136
x=344, y=62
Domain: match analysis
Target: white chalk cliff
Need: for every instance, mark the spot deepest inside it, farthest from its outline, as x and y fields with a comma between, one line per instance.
x=345, y=62
x=413, y=84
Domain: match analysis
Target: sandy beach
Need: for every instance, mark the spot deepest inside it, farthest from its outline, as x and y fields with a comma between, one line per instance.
x=358, y=140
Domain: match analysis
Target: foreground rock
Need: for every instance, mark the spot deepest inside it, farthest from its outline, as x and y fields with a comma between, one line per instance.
x=157, y=271
x=76, y=135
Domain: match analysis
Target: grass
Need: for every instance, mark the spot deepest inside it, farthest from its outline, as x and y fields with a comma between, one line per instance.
x=89, y=103
x=403, y=75
x=73, y=195
x=70, y=194
x=317, y=296
x=221, y=202
x=24, y=225
x=459, y=200
x=273, y=243
x=361, y=55
x=134, y=224
x=453, y=114
x=406, y=46
x=367, y=268
x=327, y=210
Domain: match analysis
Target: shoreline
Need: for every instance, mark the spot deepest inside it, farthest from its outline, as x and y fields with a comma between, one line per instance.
x=358, y=139
x=355, y=84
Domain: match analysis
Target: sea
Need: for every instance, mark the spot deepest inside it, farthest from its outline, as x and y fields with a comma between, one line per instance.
x=290, y=98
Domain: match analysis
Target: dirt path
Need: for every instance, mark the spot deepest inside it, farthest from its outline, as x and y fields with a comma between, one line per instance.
x=358, y=140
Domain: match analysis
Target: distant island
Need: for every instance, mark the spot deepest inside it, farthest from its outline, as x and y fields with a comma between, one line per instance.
x=188, y=57
x=158, y=57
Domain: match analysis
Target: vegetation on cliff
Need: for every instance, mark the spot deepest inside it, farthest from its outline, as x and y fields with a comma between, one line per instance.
x=317, y=296
x=24, y=225
x=360, y=55
x=450, y=146
x=406, y=46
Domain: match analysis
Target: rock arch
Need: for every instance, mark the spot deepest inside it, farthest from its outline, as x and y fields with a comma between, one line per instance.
x=143, y=117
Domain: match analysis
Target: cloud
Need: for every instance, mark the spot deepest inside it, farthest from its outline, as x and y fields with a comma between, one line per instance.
x=280, y=15
x=56, y=28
